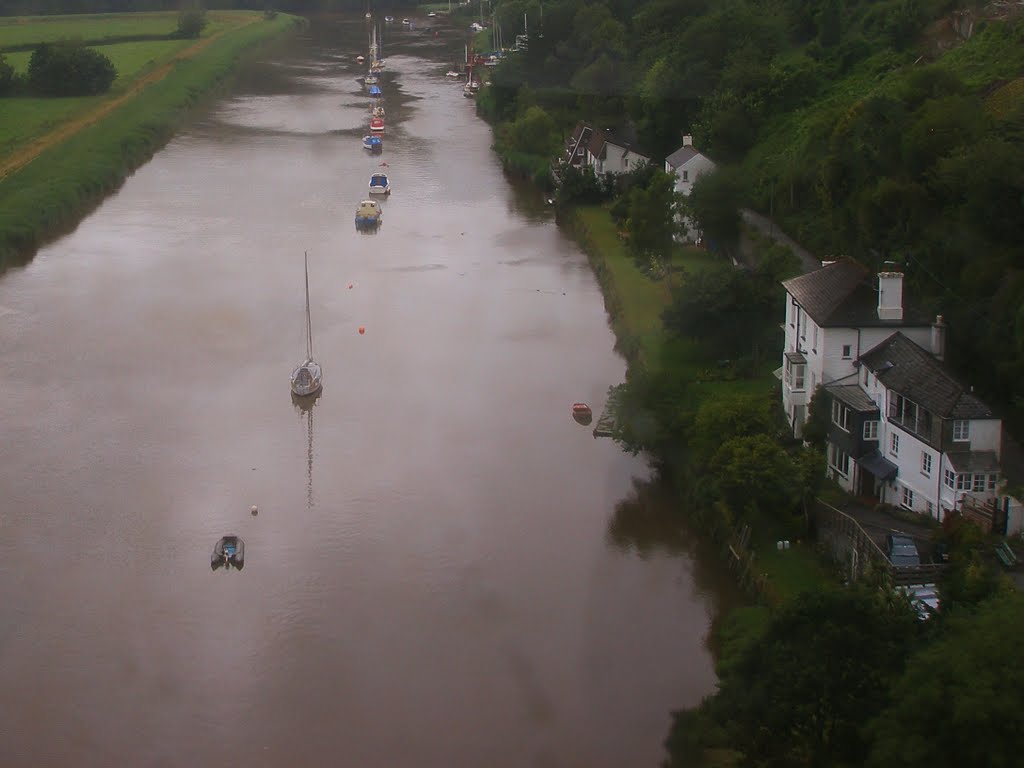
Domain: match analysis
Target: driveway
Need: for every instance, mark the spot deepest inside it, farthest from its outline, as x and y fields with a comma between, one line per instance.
x=878, y=525
x=771, y=230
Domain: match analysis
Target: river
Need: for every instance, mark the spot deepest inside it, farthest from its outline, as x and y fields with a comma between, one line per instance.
x=445, y=569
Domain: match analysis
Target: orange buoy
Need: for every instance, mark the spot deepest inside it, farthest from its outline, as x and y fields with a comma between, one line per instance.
x=362, y=329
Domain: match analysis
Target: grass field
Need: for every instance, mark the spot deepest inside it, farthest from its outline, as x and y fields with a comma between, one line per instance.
x=82, y=149
x=24, y=30
x=24, y=118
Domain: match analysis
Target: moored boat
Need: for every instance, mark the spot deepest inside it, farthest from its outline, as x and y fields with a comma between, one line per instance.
x=376, y=125
x=373, y=143
x=360, y=59
x=370, y=79
x=368, y=214
x=307, y=378
x=379, y=184
x=375, y=91
x=582, y=413
x=228, y=552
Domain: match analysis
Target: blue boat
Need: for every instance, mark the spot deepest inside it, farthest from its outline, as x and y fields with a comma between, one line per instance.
x=368, y=215
x=373, y=143
x=375, y=91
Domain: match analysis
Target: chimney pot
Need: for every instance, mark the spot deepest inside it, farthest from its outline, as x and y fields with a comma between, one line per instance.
x=938, y=339
x=890, y=295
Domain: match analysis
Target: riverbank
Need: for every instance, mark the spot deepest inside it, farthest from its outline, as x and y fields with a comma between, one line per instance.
x=49, y=184
x=635, y=303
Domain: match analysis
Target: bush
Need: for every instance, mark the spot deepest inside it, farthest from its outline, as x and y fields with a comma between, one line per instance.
x=7, y=79
x=192, y=21
x=69, y=69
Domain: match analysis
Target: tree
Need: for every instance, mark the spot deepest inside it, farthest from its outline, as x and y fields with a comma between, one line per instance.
x=7, y=79
x=534, y=133
x=69, y=69
x=714, y=204
x=961, y=700
x=801, y=693
x=652, y=224
x=191, y=20
x=722, y=418
x=754, y=473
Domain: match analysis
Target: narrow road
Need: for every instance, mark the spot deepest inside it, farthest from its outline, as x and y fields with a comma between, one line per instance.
x=764, y=225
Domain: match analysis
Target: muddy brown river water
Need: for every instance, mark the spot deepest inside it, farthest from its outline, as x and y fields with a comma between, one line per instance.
x=446, y=570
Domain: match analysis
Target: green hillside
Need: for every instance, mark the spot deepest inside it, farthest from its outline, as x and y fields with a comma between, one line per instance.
x=880, y=129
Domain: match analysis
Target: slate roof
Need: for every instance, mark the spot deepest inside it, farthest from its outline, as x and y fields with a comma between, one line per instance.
x=903, y=366
x=973, y=461
x=843, y=294
x=598, y=140
x=853, y=396
x=682, y=155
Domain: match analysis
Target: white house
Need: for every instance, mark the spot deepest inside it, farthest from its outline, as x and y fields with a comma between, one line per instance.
x=834, y=315
x=607, y=153
x=576, y=145
x=687, y=165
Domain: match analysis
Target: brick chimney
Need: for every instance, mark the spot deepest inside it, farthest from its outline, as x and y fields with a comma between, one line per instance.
x=938, y=341
x=687, y=140
x=890, y=295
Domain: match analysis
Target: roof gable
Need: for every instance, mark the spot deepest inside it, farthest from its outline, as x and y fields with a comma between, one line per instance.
x=682, y=155
x=904, y=367
x=842, y=294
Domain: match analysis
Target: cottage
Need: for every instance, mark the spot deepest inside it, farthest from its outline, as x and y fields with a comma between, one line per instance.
x=687, y=165
x=833, y=315
x=902, y=430
x=607, y=153
x=576, y=145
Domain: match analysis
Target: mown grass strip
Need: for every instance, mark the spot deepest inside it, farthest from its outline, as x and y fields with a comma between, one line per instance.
x=51, y=193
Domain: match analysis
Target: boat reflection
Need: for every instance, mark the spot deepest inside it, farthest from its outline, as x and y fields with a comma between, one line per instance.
x=305, y=406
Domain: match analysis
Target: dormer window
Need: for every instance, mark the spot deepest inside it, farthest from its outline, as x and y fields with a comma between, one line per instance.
x=961, y=430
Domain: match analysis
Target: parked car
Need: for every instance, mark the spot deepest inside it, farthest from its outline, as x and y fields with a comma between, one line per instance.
x=902, y=551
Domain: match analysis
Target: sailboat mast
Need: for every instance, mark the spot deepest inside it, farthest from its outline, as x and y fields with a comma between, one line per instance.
x=309, y=325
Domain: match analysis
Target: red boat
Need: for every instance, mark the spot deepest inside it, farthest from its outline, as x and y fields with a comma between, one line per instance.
x=581, y=413
x=377, y=125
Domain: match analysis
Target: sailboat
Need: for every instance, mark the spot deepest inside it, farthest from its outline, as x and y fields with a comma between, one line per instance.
x=307, y=379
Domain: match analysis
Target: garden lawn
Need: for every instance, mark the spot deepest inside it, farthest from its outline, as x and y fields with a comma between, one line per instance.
x=26, y=30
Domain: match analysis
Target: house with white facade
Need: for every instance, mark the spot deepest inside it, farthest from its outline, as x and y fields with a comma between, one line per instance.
x=687, y=165
x=834, y=315
x=607, y=153
x=576, y=145
x=901, y=429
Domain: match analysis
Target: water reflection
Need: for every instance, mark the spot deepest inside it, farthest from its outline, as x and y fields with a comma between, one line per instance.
x=651, y=520
x=305, y=406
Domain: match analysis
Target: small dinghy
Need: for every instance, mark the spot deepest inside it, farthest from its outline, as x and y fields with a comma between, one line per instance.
x=582, y=414
x=373, y=143
x=376, y=125
x=228, y=552
x=368, y=214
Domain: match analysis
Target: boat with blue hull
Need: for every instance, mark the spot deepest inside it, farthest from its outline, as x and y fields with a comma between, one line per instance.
x=379, y=184
x=368, y=215
x=373, y=143
x=228, y=553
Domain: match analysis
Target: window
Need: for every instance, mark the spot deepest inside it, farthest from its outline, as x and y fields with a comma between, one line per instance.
x=870, y=430
x=792, y=315
x=993, y=482
x=963, y=482
x=686, y=175
x=894, y=444
x=865, y=375
x=838, y=459
x=847, y=351
x=841, y=415
x=979, y=483
x=930, y=508
x=908, y=498
x=926, y=464
x=949, y=478
x=961, y=430
x=795, y=376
